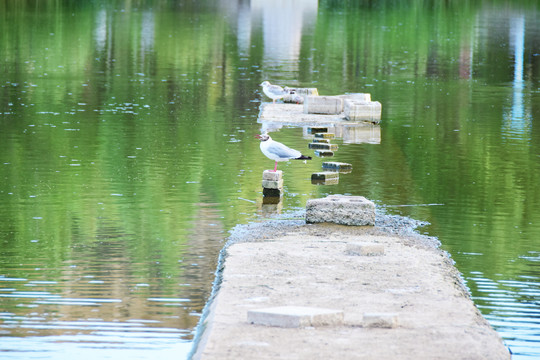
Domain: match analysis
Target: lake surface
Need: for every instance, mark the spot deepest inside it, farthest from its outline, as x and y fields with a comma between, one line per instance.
x=127, y=153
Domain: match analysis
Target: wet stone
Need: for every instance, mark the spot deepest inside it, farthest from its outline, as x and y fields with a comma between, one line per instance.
x=318, y=146
x=267, y=192
x=272, y=184
x=314, y=130
x=325, y=178
x=362, y=111
x=272, y=175
x=335, y=165
x=325, y=175
x=326, y=135
x=341, y=209
x=324, y=153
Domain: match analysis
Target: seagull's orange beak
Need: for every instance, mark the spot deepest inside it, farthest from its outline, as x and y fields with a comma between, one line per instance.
x=258, y=136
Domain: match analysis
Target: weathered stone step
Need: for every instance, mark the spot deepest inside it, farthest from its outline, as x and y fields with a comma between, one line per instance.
x=319, y=146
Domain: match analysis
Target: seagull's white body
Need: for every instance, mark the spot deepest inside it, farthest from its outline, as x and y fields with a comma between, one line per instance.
x=274, y=92
x=277, y=151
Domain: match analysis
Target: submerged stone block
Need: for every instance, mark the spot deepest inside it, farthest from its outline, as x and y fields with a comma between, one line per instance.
x=295, y=316
x=341, y=209
x=321, y=141
x=329, y=105
x=380, y=320
x=325, y=178
x=325, y=175
x=335, y=165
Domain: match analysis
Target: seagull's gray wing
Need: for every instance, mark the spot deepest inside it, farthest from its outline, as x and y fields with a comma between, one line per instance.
x=283, y=151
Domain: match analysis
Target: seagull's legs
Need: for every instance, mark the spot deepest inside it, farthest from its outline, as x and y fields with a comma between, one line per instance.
x=275, y=167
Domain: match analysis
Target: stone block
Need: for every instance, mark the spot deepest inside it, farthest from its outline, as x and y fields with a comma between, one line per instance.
x=365, y=249
x=314, y=130
x=319, y=146
x=321, y=141
x=324, y=153
x=362, y=111
x=341, y=209
x=295, y=317
x=358, y=97
x=325, y=135
x=325, y=175
x=329, y=105
x=272, y=184
x=272, y=176
x=267, y=192
x=380, y=320
x=335, y=165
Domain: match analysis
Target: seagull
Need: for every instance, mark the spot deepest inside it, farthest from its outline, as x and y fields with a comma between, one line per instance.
x=277, y=151
x=274, y=92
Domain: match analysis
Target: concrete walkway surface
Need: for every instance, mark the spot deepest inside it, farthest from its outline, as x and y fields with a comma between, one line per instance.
x=400, y=297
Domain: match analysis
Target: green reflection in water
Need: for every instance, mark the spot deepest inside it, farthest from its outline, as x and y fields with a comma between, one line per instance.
x=127, y=150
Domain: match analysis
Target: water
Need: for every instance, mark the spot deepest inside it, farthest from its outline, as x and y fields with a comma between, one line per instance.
x=127, y=154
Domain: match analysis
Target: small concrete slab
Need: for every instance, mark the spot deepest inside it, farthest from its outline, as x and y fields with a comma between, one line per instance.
x=295, y=316
x=324, y=153
x=272, y=184
x=335, y=165
x=380, y=320
x=321, y=141
x=341, y=209
x=319, y=146
x=325, y=175
x=314, y=130
x=325, y=178
x=272, y=175
x=364, y=249
x=325, y=135
x=362, y=111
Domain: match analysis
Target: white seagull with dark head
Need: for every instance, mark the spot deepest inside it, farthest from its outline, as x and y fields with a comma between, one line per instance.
x=277, y=151
x=274, y=92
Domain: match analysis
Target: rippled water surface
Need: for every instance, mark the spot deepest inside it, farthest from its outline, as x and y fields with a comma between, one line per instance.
x=127, y=153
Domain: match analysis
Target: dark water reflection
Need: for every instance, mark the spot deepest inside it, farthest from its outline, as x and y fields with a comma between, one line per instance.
x=127, y=153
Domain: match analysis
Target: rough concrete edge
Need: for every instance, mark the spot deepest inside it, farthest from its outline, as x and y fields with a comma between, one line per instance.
x=389, y=225
x=240, y=233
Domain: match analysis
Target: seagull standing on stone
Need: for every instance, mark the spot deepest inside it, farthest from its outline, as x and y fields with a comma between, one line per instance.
x=277, y=151
x=274, y=92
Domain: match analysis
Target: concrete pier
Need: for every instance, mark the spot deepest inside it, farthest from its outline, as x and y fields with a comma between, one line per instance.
x=407, y=303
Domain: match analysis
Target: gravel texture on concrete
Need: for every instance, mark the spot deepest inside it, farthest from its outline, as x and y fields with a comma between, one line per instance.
x=407, y=302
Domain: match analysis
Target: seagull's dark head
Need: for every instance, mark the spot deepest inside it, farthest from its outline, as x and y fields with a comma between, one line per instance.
x=262, y=137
